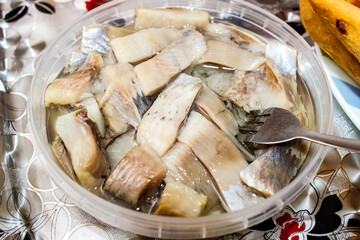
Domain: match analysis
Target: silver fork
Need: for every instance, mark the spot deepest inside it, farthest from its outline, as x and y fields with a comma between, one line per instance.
x=277, y=125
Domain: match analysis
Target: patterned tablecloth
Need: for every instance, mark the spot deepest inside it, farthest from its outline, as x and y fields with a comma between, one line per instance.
x=32, y=207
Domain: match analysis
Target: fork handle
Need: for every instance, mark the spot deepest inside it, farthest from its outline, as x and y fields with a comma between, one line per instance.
x=333, y=141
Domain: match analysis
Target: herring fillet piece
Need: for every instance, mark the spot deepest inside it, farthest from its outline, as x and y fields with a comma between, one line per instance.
x=236, y=36
x=210, y=104
x=110, y=72
x=225, y=54
x=255, y=90
x=118, y=105
x=274, y=169
x=156, y=72
x=117, y=150
x=88, y=160
x=142, y=44
x=72, y=88
x=136, y=173
x=170, y=17
x=177, y=199
x=94, y=113
x=63, y=157
x=184, y=167
x=161, y=123
x=219, y=155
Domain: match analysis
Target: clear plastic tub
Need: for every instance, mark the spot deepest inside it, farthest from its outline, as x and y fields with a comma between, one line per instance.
x=237, y=12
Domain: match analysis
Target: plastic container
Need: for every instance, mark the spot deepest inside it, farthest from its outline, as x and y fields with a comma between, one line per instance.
x=237, y=12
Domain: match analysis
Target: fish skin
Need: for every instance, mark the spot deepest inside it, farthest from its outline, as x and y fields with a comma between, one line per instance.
x=143, y=44
x=138, y=172
x=219, y=155
x=236, y=36
x=63, y=157
x=160, y=125
x=88, y=159
x=117, y=104
x=156, y=72
x=94, y=114
x=183, y=166
x=215, y=109
x=274, y=169
x=255, y=90
x=72, y=88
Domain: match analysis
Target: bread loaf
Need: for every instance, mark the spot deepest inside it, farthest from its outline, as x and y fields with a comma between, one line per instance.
x=335, y=27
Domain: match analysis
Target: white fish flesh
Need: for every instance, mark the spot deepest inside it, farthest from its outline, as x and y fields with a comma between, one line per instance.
x=72, y=88
x=63, y=157
x=254, y=91
x=161, y=123
x=110, y=72
x=88, y=159
x=136, y=173
x=274, y=169
x=143, y=44
x=170, y=17
x=156, y=72
x=184, y=167
x=219, y=155
x=225, y=54
x=118, y=148
x=215, y=109
x=118, y=105
x=180, y=200
x=94, y=113
x=236, y=36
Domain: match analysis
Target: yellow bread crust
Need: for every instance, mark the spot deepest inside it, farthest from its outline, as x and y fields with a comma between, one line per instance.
x=327, y=40
x=343, y=20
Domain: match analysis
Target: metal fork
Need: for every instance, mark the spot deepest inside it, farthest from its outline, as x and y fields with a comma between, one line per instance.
x=277, y=125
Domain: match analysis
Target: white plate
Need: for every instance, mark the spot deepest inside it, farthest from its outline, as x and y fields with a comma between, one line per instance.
x=343, y=87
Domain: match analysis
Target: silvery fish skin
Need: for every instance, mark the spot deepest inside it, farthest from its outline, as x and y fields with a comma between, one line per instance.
x=143, y=44
x=177, y=199
x=218, y=154
x=138, y=172
x=72, y=88
x=156, y=72
x=282, y=59
x=118, y=105
x=160, y=125
x=75, y=61
x=183, y=166
x=95, y=39
x=88, y=159
x=274, y=169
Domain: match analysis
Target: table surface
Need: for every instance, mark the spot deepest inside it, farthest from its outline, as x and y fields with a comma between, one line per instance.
x=32, y=207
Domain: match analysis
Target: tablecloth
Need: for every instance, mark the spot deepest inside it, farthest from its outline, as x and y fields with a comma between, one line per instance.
x=32, y=207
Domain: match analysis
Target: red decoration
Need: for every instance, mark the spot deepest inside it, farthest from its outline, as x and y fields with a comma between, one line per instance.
x=94, y=3
x=290, y=226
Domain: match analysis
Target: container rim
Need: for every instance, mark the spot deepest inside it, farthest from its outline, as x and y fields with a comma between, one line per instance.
x=92, y=202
